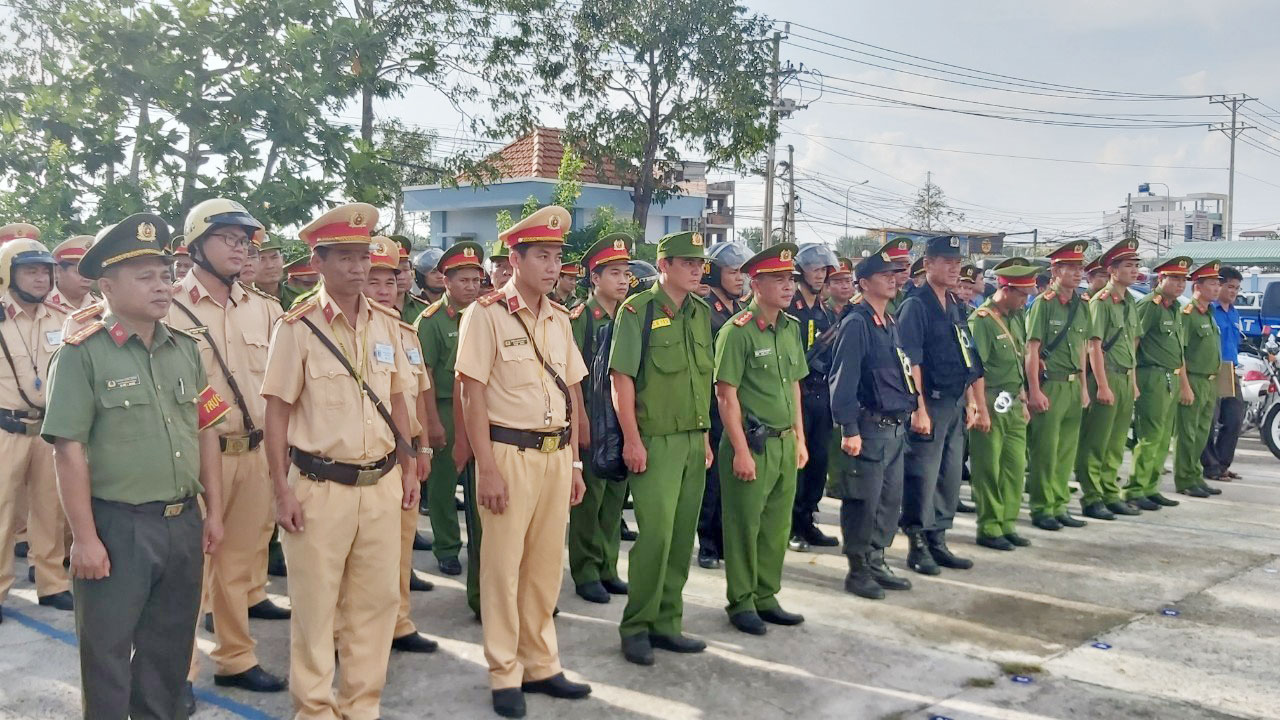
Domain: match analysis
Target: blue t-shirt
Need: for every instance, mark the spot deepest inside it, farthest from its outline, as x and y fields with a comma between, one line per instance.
x=1228, y=320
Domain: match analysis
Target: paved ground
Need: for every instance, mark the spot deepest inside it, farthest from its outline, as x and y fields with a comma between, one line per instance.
x=949, y=648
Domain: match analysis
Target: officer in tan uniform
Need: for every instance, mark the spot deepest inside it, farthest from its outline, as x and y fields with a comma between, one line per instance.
x=234, y=325
x=71, y=291
x=13, y=231
x=342, y=470
x=30, y=330
x=519, y=372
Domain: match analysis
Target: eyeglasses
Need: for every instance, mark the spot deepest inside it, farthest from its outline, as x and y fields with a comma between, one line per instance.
x=231, y=241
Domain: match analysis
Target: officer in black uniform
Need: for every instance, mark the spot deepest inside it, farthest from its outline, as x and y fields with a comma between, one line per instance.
x=813, y=262
x=724, y=276
x=872, y=396
x=936, y=339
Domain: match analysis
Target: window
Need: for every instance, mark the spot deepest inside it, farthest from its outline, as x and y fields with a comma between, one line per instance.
x=1186, y=234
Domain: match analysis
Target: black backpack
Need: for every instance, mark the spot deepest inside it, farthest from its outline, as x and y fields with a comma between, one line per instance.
x=606, y=433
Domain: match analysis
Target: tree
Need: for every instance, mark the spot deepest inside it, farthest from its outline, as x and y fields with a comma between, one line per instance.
x=931, y=209
x=402, y=158
x=640, y=80
x=852, y=246
x=752, y=237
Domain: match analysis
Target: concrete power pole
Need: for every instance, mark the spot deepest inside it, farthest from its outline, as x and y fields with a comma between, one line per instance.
x=790, y=229
x=1232, y=131
x=769, y=163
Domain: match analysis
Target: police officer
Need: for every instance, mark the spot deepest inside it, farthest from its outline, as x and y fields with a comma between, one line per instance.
x=1096, y=275
x=499, y=265
x=301, y=278
x=234, y=325
x=594, y=536
x=943, y=365
x=519, y=370
x=872, y=396
x=915, y=280
x=1112, y=386
x=182, y=263
x=813, y=262
x=270, y=276
x=759, y=364
x=341, y=468
x=409, y=306
x=968, y=287
x=565, y=285
x=30, y=332
x=1162, y=382
x=131, y=418
x=1203, y=355
x=723, y=276
x=840, y=292
x=661, y=369
x=998, y=439
x=72, y=290
x=429, y=280
x=1057, y=338
x=899, y=254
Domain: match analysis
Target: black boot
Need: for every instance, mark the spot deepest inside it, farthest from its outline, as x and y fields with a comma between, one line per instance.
x=859, y=580
x=919, y=557
x=881, y=573
x=942, y=554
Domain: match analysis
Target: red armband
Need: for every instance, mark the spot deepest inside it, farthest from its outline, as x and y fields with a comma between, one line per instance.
x=211, y=407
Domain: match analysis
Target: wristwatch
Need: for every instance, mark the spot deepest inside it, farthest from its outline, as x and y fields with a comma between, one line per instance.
x=577, y=464
x=426, y=450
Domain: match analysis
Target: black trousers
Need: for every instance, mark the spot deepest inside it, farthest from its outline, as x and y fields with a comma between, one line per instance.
x=710, y=527
x=1224, y=434
x=136, y=626
x=931, y=476
x=871, y=487
x=811, y=480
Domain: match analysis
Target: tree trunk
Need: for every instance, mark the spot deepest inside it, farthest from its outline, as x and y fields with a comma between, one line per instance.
x=397, y=226
x=273, y=155
x=144, y=124
x=365, y=9
x=643, y=194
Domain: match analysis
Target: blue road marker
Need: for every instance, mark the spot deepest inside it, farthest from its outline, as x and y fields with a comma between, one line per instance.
x=1021, y=679
x=1101, y=646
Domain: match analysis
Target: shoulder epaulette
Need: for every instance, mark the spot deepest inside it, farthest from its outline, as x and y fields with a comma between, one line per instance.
x=1048, y=295
x=302, y=308
x=85, y=332
x=432, y=309
x=576, y=312
x=56, y=307
x=260, y=293
x=700, y=299
x=86, y=312
x=793, y=318
x=558, y=306
x=1187, y=310
x=743, y=319
x=983, y=312
x=384, y=309
x=181, y=332
x=490, y=299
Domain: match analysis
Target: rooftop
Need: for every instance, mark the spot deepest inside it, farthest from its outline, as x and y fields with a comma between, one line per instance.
x=1231, y=253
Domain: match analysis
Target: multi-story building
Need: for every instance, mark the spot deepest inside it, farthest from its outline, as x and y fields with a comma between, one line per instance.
x=1160, y=221
x=718, y=217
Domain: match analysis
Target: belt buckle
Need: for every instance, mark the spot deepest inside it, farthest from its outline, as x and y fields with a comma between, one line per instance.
x=173, y=509
x=550, y=443
x=1072, y=377
x=368, y=477
x=235, y=444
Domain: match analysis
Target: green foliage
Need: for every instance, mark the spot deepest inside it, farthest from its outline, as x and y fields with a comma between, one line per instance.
x=568, y=186
x=604, y=220
x=931, y=210
x=752, y=237
x=531, y=206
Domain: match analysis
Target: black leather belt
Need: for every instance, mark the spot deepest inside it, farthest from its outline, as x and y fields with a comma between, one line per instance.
x=320, y=469
x=547, y=442
x=1061, y=376
x=240, y=444
x=12, y=421
x=168, y=509
x=885, y=420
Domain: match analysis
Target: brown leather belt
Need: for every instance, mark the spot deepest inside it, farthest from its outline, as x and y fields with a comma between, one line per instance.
x=240, y=444
x=547, y=442
x=320, y=469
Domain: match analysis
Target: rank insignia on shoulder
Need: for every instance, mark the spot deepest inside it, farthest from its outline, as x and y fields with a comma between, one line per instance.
x=983, y=312
x=85, y=332
x=630, y=307
x=576, y=313
x=743, y=319
x=435, y=308
x=297, y=312
x=490, y=299
x=1047, y=295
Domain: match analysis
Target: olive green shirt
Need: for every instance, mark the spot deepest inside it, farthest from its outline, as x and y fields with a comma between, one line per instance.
x=762, y=361
x=413, y=307
x=1202, y=349
x=590, y=313
x=437, y=328
x=1002, y=349
x=1159, y=333
x=1047, y=318
x=1109, y=316
x=133, y=408
x=673, y=387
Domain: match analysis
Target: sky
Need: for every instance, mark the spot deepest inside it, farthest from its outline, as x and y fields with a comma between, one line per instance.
x=1170, y=48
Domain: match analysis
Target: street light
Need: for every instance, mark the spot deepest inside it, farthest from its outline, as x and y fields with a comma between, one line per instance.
x=846, y=205
x=1168, y=200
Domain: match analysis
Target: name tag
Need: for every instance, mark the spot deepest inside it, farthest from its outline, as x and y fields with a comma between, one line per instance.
x=452, y=334
x=53, y=337
x=383, y=353
x=1055, y=322
x=513, y=342
x=1002, y=336
x=199, y=330
x=414, y=355
x=124, y=382
x=1166, y=322
x=660, y=323
x=761, y=352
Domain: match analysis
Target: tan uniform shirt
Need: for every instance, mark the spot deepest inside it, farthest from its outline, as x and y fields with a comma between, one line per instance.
x=83, y=318
x=57, y=298
x=495, y=349
x=331, y=415
x=241, y=330
x=31, y=339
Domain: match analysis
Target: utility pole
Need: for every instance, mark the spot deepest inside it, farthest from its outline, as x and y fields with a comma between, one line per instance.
x=1128, y=216
x=790, y=231
x=1233, y=131
x=769, y=165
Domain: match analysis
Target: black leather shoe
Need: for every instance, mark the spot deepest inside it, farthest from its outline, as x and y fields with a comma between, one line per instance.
x=450, y=566
x=964, y=507
x=883, y=575
x=59, y=601
x=1144, y=504
x=423, y=508
x=509, y=702
x=267, y=610
x=189, y=697
x=615, y=586
x=628, y=535
x=638, y=649
x=593, y=592
x=942, y=554
x=1045, y=522
x=20, y=549
x=1195, y=491
x=208, y=622
x=415, y=643
x=1017, y=540
x=863, y=585
x=255, y=679
x=798, y=544
x=677, y=643
x=708, y=559
x=421, y=542
x=31, y=574
x=558, y=686
x=1123, y=508
x=1211, y=489
x=1068, y=521
x=1162, y=500
x=918, y=557
x=817, y=538
x=778, y=616
x=275, y=561
x=1098, y=511
x=995, y=542
x=417, y=584
x=749, y=623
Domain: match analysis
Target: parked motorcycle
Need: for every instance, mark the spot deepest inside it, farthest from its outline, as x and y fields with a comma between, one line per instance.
x=1259, y=376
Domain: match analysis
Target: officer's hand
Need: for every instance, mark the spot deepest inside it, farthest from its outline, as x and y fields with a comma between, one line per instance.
x=213, y=531
x=584, y=436
x=635, y=457
x=1038, y=401
x=435, y=435
x=1084, y=398
x=89, y=560
x=1185, y=395
x=744, y=466
x=852, y=446
x=1026, y=414
x=411, y=484
x=491, y=489
x=1135, y=390
x=707, y=453
x=422, y=468
x=289, y=512
x=802, y=455
x=921, y=423
x=461, y=453
x=980, y=420
x=578, y=490
x=1105, y=396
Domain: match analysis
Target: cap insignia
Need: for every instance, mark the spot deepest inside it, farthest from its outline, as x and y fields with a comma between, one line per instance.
x=619, y=244
x=785, y=256
x=468, y=252
x=696, y=240
x=357, y=219
x=554, y=223
x=147, y=232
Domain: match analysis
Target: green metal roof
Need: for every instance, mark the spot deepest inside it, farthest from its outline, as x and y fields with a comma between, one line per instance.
x=1234, y=252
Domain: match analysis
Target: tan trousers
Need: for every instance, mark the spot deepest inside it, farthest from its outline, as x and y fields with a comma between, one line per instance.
x=258, y=586
x=247, y=517
x=348, y=554
x=521, y=564
x=408, y=527
x=26, y=465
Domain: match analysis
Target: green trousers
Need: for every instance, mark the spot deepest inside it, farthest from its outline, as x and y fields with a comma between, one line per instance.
x=1192, y=427
x=442, y=490
x=757, y=523
x=1153, y=414
x=1102, y=437
x=595, y=529
x=1053, y=437
x=997, y=468
x=667, y=498
x=473, y=537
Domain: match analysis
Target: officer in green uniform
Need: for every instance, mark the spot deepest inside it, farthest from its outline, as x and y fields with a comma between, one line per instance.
x=1161, y=381
x=1202, y=351
x=437, y=328
x=130, y=414
x=499, y=265
x=1112, y=386
x=301, y=279
x=759, y=363
x=660, y=365
x=998, y=440
x=595, y=523
x=271, y=265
